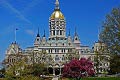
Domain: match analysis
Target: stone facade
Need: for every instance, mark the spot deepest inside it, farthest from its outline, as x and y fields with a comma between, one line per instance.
x=58, y=48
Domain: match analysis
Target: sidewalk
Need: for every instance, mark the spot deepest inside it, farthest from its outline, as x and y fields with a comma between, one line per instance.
x=55, y=78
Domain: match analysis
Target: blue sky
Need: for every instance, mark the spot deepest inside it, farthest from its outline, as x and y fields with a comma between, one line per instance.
x=28, y=15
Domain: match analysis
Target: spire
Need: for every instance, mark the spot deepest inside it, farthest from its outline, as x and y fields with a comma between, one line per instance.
x=15, y=33
x=38, y=33
x=57, y=4
x=44, y=33
x=75, y=32
x=76, y=38
x=99, y=35
x=69, y=33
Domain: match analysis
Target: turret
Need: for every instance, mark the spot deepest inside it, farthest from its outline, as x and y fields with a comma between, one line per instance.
x=37, y=40
x=43, y=41
x=69, y=39
x=76, y=39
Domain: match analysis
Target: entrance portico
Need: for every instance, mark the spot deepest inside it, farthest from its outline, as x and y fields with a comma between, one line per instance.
x=55, y=69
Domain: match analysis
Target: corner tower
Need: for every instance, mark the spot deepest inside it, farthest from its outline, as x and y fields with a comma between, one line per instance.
x=57, y=24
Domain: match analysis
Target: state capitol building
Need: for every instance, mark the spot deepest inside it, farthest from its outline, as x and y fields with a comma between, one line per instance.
x=57, y=49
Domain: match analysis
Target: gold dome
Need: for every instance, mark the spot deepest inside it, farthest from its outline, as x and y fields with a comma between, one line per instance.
x=57, y=14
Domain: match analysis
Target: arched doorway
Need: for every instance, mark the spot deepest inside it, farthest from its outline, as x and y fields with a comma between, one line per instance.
x=50, y=69
x=57, y=71
x=61, y=70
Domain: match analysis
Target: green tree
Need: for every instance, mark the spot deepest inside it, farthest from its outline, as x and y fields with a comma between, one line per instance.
x=40, y=69
x=18, y=69
x=2, y=70
x=110, y=35
x=115, y=64
x=29, y=77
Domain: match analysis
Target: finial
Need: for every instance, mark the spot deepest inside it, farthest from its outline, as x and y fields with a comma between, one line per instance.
x=44, y=33
x=38, y=33
x=57, y=4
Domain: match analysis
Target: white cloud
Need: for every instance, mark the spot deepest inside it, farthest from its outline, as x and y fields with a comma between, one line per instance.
x=17, y=13
x=30, y=32
x=31, y=5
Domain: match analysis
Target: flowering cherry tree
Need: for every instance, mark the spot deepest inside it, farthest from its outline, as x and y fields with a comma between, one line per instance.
x=78, y=68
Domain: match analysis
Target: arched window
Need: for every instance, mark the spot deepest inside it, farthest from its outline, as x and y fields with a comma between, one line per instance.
x=43, y=58
x=69, y=44
x=50, y=58
x=57, y=58
x=70, y=57
x=57, y=32
x=76, y=38
x=37, y=39
x=63, y=58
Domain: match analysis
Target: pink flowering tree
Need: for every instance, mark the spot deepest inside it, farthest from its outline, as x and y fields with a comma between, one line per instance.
x=78, y=68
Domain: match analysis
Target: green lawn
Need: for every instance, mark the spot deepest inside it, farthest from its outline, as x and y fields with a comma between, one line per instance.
x=90, y=78
x=102, y=78
x=97, y=78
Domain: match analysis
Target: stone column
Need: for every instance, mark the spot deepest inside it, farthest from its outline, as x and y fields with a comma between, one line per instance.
x=53, y=71
x=60, y=69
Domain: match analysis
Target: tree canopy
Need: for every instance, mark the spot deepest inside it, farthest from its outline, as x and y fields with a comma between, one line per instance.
x=39, y=69
x=115, y=64
x=110, y=33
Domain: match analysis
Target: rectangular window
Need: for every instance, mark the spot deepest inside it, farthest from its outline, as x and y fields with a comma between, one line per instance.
x=49, y=50
x=60, y=32
x=58, y=50
x=57, y=32
x=62, y=50
x=69, y=50
x=57, y=58
x=54, y=32
x=55, y=50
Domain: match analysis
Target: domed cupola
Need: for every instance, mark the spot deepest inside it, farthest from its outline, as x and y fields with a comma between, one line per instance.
x=57, y=14
x=57, y=24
